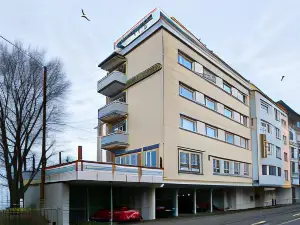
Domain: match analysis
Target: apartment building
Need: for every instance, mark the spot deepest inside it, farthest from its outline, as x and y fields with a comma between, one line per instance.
x=172, y=103
x=271, y=157
x=294, y=138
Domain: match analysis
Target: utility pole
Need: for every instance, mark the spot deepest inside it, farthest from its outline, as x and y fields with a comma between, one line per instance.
x=43, y=171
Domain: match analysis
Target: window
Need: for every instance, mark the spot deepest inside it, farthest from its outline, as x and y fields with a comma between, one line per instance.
x=119, y=127
x=286, y=175
x=150, y=158
x=134, y=160
x=246, y=169
x=264, y=106
x=211, y=132
x=277, y=115
x=277, y=133
x=188, y=124
x=236, y=168
x=208, y=75
x=242, y=97
x=279, y=171
x=229, y=137
x=227, y=87
x=228, y=112
x=270, y=149
x=226, y=167
x=210, y=103
x=216, y=166
x=298, y=124
x=272, y=170
x=285, y=157
x=189, y=161
x=293, y=153
x=244, y=120
x=186, y=92
x=284, y=139
x=283, y=122
x=117, y=160
x=264, y=170
x=293, y=167
x=185, y=61
x=244, y=143
x=291, y=136
x=278, y=152
x=269, y=128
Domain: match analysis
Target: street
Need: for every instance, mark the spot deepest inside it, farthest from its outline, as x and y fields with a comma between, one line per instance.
x=276, y=216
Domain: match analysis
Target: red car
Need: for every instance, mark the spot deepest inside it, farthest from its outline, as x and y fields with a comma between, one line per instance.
x=120, y=214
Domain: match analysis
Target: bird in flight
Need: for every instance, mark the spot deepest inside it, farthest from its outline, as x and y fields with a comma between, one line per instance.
x=282, y=78
x=83, y=15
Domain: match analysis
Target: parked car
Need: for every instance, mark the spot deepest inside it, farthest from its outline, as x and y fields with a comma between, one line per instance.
x=120, y=214
x=164, y=208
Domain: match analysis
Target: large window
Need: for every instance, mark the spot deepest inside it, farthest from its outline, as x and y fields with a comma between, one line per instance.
x=272, y=170
x=228, y=113
x=277, y=133
x=286, y=175
x=211, y=132
x=291, y=136
x=264, y=106
x=277, y=115
x=227, y=87
x=150, y=158
x=278, y=152
x=216, y=163
x=264, y=170
x=188, y=124
x=279, y=171
x=186, y=92
x=236, y=168
x=226, y=167
x=229, y=137
x=285, y=157
x=185, y=61
x=246, y=169
x=210, y=103
x=189, y=161
x=130, y=159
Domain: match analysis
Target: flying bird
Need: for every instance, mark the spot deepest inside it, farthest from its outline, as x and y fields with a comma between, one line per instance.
x=83, y=15
x=282, y=78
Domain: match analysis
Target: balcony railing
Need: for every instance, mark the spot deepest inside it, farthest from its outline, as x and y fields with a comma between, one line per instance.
x=113, y=111
x=112, y=84
x=114, y=141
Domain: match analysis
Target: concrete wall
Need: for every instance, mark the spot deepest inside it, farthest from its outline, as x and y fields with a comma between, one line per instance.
x=284, y=196
x=57, y=198
x=174, y=105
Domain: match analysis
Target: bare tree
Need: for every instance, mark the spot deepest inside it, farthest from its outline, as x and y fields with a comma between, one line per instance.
x=21, y=103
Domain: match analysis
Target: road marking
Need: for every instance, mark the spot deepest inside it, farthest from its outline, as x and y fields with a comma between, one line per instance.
x=298, y=214
x=289, y=221
x=260, y=222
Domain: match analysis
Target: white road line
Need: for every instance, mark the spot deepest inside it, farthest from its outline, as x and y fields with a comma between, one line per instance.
x=260, y=222
x=298, y=214
x=289, y=221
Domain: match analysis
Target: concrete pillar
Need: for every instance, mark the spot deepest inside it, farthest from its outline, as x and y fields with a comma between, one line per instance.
x=175, y=202
x=152, y=203
x=211, y=200
x=99, y=150
x=195, y=202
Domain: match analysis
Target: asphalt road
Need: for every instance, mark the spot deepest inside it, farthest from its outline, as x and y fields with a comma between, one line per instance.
x=289, y=215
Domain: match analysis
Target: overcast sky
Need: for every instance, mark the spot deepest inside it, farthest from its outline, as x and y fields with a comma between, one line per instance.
x=260, y=39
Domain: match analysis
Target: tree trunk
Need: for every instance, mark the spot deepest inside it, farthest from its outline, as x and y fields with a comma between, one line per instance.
x=14, y=196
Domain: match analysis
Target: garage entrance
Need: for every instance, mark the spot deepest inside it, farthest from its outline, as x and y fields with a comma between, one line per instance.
x=185, y=201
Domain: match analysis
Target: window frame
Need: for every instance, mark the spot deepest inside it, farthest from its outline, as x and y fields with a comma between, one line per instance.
x=190, y=120
x=225, y=84
x=228, y=134
x=286, y=175
x=188, y=89
x=292, y=152
x=264, y=104
x=243, y=120
x=216, y=166
x=271, y=170
x=186, y=58
x=207, y=99
x=190, y=167
x=277, y=114
x=243, y=97
x=266, y=170
x=246, y=165
x=213, y=128
x=145, y=158
x=279, y=171
x=291, y=136
x=236, y=172
x=229, y=110
x=277, y=132
x=226, y=170
x=285, y=155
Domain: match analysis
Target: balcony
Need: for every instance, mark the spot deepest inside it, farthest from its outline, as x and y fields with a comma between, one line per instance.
x=114, y=141
x=112, y=84
x=114, y=111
